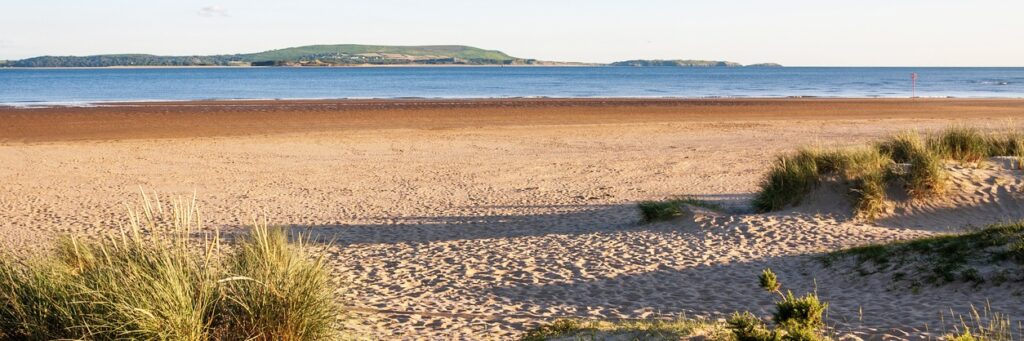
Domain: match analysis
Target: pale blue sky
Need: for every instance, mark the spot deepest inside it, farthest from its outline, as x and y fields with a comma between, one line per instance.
x=792, y=32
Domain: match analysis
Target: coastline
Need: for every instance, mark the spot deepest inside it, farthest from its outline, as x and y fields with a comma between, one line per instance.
x=184, y=119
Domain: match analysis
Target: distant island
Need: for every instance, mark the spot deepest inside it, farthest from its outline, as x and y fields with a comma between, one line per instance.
x=341, y=55
x=313, y=55
x=687, y=63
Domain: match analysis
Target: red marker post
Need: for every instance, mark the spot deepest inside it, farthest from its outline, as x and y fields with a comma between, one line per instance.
x=913, y=85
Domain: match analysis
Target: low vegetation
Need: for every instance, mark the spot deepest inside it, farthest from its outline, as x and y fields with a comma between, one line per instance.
x=994, y=254
x=962, y=144
x=906, y=160
x=628, y=330
x=794, y=176
x=654, y=211
x=166, y=278
x=795, y=318
x=984, y=325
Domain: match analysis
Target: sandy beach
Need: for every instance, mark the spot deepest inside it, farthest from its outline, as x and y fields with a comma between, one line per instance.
x=478, y=219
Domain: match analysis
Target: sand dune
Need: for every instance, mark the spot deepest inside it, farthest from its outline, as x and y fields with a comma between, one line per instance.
x=479, y=227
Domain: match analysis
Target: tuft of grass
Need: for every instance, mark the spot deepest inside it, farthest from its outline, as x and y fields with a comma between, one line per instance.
x=794, y=176
x=36, y=301
x=790, y=179
x=1012, y=144
x=700, y=203
x=961, y=143
x=158, y=280
x=275, y=291
x=653, y=211
x=627, y=330
x=865, y=173
x=946, y=258
x=985, y=325
x=926, y=175
x=903, y=146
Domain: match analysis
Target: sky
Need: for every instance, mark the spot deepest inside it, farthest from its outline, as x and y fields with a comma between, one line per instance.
x=790, y=32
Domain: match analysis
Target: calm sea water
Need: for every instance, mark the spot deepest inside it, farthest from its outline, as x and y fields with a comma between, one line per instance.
x=27, y=87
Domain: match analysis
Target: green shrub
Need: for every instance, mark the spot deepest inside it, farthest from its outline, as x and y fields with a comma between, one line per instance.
x=796, y=318
x=747, y=327
x=798, y=313
x=768, y=281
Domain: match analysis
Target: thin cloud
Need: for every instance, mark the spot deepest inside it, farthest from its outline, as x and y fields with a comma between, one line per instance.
x=213, y=11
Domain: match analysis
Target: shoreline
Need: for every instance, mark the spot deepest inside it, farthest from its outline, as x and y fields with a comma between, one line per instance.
x=221, y=101
x=189, y=119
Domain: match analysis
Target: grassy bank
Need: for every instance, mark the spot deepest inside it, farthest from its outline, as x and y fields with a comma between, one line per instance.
x=993, y=254
x=166, y=278
x=906, y=160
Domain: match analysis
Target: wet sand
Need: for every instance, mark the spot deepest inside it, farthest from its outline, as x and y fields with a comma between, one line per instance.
x=239, y=118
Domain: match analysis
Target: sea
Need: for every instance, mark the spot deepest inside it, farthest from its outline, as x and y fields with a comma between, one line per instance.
x=83, y=87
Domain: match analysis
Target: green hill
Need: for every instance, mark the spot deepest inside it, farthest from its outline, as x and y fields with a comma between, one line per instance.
x=314, y=55
x=436, y=51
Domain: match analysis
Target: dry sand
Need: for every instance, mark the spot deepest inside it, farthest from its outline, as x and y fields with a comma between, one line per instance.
x=479, y=219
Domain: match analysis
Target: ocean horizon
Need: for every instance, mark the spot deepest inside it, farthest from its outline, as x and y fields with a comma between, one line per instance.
x=31, y=87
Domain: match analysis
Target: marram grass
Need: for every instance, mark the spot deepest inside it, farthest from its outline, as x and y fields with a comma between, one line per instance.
x=915, y=162
x=166, y=278
x=794, y=176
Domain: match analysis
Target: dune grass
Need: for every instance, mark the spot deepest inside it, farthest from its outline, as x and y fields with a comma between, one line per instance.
x=276, y=292
x=916, y=162
x=1011, y=144
x=794, y=176
x=166, y=278
x=791, y=178
x=944, y=259
x=984, y=325
x=961, y=143
x=925, y=175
